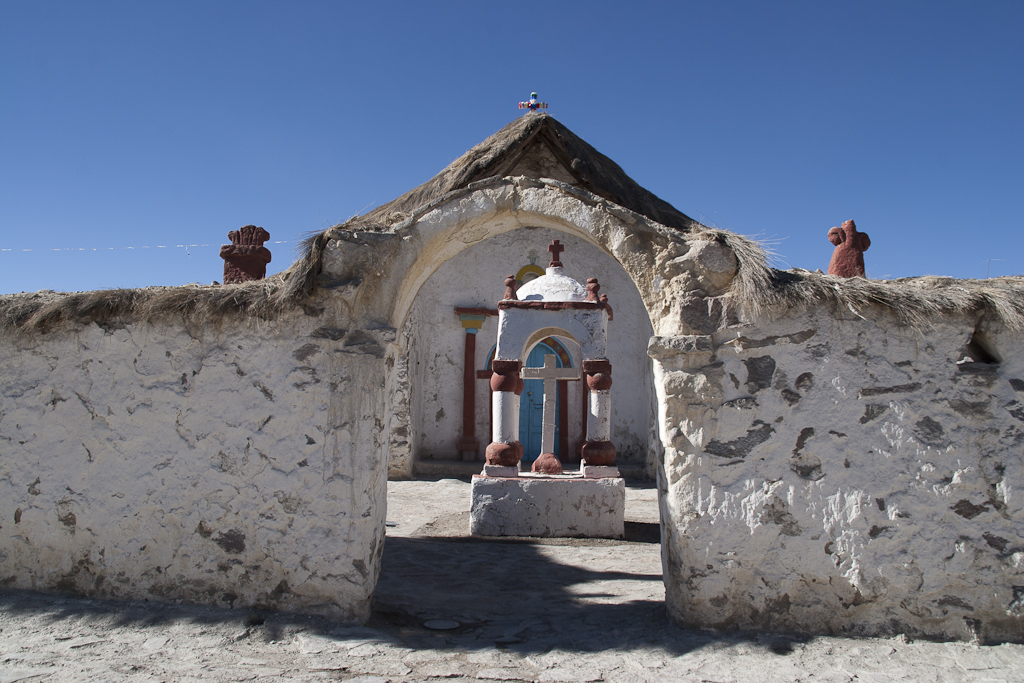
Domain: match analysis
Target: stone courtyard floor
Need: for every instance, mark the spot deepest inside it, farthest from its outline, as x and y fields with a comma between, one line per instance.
x=452, y=608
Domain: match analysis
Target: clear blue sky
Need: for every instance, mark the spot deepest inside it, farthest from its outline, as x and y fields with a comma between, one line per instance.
x=139, y=124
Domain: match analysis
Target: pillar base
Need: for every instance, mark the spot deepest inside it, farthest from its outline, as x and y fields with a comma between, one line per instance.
x=600, y=453
x=506, y=454
x=547, y=463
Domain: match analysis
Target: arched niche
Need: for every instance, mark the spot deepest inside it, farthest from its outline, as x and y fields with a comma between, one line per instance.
x=434, y=342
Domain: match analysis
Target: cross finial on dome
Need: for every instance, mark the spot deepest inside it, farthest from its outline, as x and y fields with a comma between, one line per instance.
x=556, y=248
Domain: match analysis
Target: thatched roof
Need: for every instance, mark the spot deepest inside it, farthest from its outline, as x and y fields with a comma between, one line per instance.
x=499, y=154
x=757, y=287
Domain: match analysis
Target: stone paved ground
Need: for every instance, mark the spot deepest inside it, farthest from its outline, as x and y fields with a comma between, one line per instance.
x=515, y=610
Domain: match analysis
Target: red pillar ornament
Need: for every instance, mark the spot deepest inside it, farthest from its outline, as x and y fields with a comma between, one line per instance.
x=245, y=258
x=848, y=257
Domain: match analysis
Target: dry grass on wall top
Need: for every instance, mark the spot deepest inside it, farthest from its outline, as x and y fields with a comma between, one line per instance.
x=47, y=311
x=914, y=301
x=756, y=289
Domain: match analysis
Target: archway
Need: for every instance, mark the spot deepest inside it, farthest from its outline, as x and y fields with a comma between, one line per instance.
x=437, y=337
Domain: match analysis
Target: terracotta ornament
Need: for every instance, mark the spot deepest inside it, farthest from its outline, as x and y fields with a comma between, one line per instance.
x=547, y=463
x=848, y=257
x=510, y=288
x=245, y=258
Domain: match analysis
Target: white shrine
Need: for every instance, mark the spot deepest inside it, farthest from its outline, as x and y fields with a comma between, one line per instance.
x=548, y=501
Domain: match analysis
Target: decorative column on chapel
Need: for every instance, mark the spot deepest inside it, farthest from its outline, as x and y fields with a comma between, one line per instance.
x=507, y=385
x=598, y=449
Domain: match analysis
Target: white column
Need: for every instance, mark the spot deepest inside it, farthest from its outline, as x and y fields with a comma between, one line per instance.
x=506, y=417
x=599, y=423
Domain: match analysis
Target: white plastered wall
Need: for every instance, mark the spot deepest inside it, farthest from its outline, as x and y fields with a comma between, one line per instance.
x=231, y=464
x=829, y=473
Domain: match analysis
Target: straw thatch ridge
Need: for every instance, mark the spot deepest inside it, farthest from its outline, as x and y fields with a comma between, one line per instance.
x=915, y=301
x=258, y=300
x=498, y=155
x=46, y=311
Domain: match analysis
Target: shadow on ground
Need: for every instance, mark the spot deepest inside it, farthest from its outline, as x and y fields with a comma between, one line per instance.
x=506, y=594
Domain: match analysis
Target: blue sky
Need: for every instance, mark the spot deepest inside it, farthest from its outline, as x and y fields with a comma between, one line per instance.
x=139, y=124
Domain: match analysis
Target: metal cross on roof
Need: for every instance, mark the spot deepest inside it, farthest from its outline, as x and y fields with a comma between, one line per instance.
x=532, y=104
x=556, y=248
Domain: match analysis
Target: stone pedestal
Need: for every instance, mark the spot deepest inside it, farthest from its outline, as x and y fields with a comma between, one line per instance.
x=567, y=506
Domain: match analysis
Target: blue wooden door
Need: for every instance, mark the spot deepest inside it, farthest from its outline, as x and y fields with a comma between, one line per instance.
x=531, y=407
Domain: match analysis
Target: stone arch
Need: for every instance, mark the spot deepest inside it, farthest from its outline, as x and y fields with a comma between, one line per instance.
x=676, y=276
x=471, y=218
x=542, y=333
x=425, y=417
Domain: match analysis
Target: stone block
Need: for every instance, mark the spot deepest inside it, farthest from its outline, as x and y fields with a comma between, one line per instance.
x=599, y=472
x=504, y=471
x=565, y=507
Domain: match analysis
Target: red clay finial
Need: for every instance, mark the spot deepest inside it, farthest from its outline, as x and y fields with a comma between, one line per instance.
x=556, y=248
x=510, y=288
x=848, y=257
x=245, y=258
x=592, y=289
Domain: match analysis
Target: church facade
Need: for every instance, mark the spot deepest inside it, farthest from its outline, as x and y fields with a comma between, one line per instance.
x=832, y=455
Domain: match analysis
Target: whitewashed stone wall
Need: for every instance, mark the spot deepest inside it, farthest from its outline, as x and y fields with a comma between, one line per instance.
x=832, y=474
x=229, y=465
x=245, y=464
x=819, y=471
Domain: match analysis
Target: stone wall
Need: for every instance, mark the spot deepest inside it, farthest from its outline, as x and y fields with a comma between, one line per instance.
x=244, y=462
x=821, y=470
x=227, y=464
x=831, y=473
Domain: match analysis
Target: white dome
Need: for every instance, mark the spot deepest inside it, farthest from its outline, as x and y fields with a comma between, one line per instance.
x=554, y=286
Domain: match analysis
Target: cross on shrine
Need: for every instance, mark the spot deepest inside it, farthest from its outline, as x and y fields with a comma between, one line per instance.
x=550, y=373
x=556, y=248
x=532, y=104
